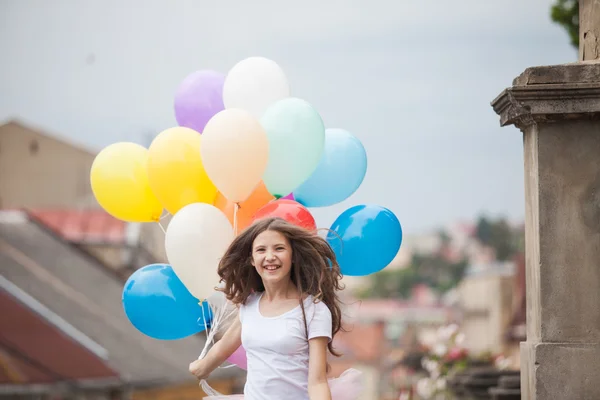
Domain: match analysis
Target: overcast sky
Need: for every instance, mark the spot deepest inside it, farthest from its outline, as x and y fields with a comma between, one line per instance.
x=413, y=80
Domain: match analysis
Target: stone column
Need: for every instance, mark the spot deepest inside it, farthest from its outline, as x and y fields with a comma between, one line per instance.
x=589, y=30
x=558, y=110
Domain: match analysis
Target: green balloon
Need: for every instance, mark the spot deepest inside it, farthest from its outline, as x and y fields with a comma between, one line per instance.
x=296, y=136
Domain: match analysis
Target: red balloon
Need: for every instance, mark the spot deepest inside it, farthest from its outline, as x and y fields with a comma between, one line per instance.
x=290, y=210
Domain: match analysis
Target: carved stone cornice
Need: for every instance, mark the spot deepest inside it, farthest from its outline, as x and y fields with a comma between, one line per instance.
x=550, y=93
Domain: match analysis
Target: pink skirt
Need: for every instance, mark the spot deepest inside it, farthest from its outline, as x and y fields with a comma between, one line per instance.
x=348, y=386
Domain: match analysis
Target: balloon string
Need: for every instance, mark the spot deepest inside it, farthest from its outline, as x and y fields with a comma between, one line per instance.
x=161, y=227
x=219, y=316
x=236, y=208
x=205, y=323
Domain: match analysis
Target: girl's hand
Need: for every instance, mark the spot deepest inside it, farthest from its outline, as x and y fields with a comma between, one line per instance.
x=198, y=369
x=216, y=356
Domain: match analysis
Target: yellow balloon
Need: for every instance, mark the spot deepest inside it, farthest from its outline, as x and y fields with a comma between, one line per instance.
x=120, y=183
x=176, y=172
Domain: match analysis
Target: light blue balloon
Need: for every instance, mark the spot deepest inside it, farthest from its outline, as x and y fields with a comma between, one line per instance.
x=340, y=172
x=365, y=239
x=296, y=135
x=159, y=305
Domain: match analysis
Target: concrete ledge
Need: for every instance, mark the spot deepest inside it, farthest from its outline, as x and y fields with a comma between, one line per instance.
x=559, y=74
x=547, y=93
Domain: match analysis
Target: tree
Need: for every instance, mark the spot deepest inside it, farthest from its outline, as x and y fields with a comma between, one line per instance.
x=484, y=231
x=431, y=270
x=495, y=234
x=566, y=14
x=500, y=236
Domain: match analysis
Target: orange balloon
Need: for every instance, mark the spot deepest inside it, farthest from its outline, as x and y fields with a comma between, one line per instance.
x=259, y=197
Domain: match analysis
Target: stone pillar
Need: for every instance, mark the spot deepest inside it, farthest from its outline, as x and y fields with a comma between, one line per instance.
x=558, y=110
x=589, y=30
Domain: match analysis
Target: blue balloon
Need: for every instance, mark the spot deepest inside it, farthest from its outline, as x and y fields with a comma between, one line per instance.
x=365, y=239
x=339, y=173
x=159, y=305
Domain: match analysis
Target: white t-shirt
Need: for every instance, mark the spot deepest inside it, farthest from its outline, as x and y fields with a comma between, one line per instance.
x=277, y=349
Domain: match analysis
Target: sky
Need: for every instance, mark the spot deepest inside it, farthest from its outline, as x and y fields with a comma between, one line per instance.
x=413, y=80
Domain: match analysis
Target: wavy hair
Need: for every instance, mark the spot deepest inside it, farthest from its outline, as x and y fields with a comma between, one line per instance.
x=315, y=270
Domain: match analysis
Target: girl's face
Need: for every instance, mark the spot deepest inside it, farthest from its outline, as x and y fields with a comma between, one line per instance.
x=272, y=257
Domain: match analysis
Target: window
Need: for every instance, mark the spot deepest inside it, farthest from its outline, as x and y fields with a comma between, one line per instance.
x=33, y=147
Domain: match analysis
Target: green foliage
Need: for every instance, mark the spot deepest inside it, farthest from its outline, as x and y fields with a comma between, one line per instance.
x=566, y=14
x=500, y=236
x=432, y=270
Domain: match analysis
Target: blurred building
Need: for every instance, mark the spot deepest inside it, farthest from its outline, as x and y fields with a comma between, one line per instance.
x=63, y=263
x=492, y=303
x=49, y=177
x=378, y=335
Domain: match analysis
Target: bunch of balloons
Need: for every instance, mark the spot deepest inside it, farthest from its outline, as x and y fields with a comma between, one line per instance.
x=243, y=149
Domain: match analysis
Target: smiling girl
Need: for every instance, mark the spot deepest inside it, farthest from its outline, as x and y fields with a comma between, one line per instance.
x=284, y=280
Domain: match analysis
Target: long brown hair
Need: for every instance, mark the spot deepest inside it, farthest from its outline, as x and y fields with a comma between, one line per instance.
x=315, y=270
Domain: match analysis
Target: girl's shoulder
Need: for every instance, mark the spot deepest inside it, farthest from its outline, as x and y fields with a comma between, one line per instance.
x=247, y=306
x=318, y=306
x=251, y=299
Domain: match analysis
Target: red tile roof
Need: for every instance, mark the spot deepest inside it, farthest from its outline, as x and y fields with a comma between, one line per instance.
x=363, y=342
x=82, y=225
x=77, y=289
x=32, y=350
x=386, y=309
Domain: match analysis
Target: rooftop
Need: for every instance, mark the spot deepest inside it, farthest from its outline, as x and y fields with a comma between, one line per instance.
x=83, y=293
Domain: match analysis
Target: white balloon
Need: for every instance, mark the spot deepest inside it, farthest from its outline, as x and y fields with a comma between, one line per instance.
x=196, y=239
x=254, y=84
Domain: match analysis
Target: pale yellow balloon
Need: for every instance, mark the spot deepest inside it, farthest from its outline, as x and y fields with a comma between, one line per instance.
x=235, y=151
x=176, y=172
x=120, y=183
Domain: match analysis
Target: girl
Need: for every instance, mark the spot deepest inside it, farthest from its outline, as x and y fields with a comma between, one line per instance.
x=284, y=280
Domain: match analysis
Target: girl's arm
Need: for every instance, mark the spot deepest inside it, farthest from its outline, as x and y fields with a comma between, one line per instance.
x=318, y=386
x=219, y=352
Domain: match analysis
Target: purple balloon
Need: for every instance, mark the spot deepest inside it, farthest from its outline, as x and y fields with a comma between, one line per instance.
x=289, y=197
x=198, y=98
